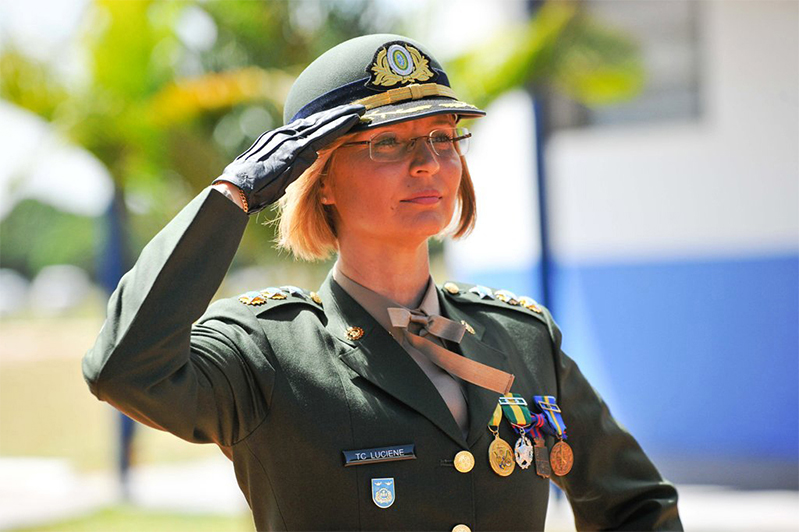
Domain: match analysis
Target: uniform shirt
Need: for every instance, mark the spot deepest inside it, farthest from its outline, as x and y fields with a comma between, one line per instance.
x=450, y=388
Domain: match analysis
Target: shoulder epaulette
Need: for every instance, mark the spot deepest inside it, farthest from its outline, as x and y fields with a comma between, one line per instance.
x=272, y=297
x=470, y=293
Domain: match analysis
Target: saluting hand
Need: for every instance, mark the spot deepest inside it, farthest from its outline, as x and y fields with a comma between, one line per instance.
x=281, y=155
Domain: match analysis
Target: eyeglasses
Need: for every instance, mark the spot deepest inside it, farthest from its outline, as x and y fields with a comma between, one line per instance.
x=389, y=147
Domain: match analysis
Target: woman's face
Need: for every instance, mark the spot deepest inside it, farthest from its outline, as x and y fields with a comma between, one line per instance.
x=406, y=201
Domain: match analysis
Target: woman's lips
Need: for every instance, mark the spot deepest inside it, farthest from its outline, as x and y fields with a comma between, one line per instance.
x=424, y=198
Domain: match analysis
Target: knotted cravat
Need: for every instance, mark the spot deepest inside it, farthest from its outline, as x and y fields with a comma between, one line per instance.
x=416, y=325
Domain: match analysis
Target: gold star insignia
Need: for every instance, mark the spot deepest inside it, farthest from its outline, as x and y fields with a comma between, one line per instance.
x=451, y=287
x=354, y=333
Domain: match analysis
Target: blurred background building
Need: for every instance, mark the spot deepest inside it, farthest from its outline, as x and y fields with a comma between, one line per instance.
x=637, y=172
x=672, y=235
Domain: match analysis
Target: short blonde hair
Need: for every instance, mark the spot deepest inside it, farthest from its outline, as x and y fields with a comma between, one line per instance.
x=306, y=227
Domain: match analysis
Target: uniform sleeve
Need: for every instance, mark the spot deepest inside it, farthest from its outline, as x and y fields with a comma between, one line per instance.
x=613, y=485
x=204, y=382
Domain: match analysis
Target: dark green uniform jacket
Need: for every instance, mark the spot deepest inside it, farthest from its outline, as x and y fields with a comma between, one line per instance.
x=283, y=391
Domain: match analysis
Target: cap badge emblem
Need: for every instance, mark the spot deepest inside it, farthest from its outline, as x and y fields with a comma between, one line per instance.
x=398, y=63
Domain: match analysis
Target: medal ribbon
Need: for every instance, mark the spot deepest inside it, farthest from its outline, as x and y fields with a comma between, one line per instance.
x=494, y=423
x=553, y=413
x=538, y=422
x=515, y=409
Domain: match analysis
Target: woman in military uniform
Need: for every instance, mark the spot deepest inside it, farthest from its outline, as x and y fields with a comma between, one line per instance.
x=380, y=401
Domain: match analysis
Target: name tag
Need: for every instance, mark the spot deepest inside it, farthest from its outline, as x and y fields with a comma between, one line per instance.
x=392, y=453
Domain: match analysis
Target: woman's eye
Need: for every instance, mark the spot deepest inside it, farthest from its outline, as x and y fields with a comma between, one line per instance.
x=441, y=137
x=385, y=142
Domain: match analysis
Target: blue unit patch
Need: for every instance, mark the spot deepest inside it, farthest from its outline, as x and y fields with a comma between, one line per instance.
x=383, y=492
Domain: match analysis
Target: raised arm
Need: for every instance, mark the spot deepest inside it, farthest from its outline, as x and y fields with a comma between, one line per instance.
x=147, y=361
x=211, y=381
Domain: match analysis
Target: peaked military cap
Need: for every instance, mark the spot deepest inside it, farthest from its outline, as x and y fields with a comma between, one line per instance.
x=395, y=77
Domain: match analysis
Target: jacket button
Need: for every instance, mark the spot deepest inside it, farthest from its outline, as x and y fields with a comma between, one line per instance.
x=461, y=528
x=464, y=461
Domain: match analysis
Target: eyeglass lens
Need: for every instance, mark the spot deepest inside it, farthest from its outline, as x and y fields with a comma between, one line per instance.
x=390, y=147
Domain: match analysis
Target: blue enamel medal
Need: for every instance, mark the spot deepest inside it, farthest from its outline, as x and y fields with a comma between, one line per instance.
x=383, y=492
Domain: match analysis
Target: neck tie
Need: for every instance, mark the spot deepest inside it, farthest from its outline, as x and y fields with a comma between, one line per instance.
x=422, y=325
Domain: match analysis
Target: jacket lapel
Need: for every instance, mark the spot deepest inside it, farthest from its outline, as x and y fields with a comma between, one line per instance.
x=378, y=358
x=482, y=402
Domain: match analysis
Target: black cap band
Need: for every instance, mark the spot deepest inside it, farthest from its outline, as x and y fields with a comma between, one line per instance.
x=348, y=93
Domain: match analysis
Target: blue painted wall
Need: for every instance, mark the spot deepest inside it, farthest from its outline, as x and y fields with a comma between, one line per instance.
x=711, y=345
x=697, y=358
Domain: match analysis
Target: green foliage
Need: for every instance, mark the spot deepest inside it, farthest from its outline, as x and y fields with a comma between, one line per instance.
x=559, y=46
x=122, y=42
x=28, y=83
x=165, y=115
x=162, y=116
x=35, y=235
x=596, y=65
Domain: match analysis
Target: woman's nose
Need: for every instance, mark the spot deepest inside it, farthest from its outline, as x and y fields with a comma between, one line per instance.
x=423, y=158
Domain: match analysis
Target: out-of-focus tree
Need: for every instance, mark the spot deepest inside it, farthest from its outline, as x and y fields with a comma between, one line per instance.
x=560, y=48
x=174, y=90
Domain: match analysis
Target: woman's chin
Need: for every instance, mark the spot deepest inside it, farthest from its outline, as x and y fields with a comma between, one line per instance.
x=421, y=231
x=410, y=231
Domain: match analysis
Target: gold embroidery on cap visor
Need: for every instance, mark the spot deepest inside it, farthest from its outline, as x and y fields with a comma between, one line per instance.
x=396, y=112
x=457, y=103
x=408, y=93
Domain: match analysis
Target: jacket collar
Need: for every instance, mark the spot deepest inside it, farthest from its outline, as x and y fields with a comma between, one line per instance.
x=376, y=304
x=378, y=358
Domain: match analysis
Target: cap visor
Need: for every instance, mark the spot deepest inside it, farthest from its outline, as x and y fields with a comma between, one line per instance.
x=413, y=109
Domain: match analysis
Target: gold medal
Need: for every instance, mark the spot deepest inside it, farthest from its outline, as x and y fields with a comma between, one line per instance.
x=501, y=456
x=464, y=462
x=561, y=458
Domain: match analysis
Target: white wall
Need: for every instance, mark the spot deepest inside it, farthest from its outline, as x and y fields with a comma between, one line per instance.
x=726, y=185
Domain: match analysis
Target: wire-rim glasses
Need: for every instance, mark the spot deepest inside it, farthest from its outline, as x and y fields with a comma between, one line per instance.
x=388, y=147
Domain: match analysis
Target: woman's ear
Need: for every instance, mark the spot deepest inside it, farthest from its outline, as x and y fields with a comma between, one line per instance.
x=326, y=192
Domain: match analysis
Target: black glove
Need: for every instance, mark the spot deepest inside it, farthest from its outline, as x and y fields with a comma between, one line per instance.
x=281, y=155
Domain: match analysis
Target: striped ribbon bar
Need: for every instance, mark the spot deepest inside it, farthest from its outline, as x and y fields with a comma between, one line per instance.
x=515, y=408
x=553, y=413
x=537, y=422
